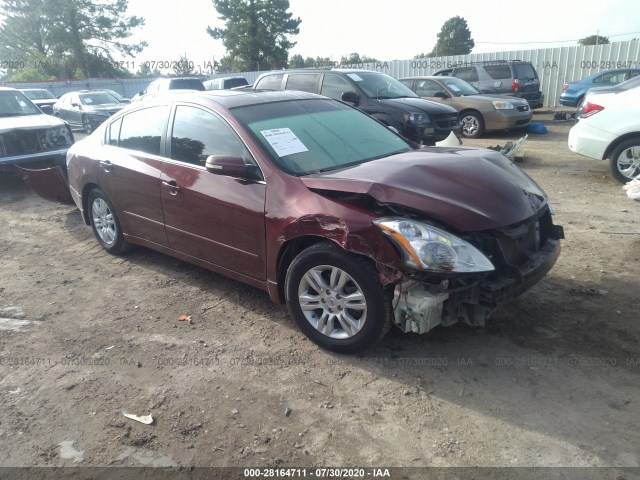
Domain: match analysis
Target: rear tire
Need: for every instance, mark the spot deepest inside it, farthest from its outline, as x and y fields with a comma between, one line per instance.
x=625, y=160
x=105, y=224
x=336, y=299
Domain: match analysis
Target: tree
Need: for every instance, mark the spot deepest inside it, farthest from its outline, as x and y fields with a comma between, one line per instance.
x=184, y=66
x=144, y=70
x=255, y=33
x=356, y=59
x=593, y=40
x=296, y=61
x=68, y=38
x=454, y=39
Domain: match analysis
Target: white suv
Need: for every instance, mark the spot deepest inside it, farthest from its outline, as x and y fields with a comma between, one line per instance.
x=609, y=128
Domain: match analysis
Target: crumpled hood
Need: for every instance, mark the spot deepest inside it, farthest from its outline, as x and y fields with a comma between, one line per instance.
x=29, y=122
x=419, y=103
x=469, y=189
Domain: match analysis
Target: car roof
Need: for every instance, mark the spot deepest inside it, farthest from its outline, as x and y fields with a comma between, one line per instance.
x=323, y=70
x=234, y=98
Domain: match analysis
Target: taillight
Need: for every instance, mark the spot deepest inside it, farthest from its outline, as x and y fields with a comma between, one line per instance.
x=590, y=109
x=514, y=85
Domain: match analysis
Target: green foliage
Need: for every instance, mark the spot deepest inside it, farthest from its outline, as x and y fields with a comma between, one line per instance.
x=255, y=33
x=356, y=59
x=593, y=40
x=58, y=39
x=454, y=39
x=183, y=66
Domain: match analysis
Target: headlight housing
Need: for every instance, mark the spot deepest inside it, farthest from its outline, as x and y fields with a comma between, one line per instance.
x=416, y=118
x=502, y=105
x=428, y=248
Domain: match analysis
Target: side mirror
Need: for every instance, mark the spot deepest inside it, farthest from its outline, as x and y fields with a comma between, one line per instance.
x=231, y=166
x=440, y=94
x=350, y=97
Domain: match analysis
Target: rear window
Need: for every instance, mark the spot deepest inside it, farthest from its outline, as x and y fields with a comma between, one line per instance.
x=525, y=70
x=498, y=72
x=235, y=82
x=186, y=84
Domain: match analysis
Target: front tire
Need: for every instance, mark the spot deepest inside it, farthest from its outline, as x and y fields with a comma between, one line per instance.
x=86, y=125
x=472, y=124
x=625, y=160
x=105, y=223
x=336, y=299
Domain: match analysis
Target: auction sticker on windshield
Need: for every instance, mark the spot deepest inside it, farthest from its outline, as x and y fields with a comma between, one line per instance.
x=283, y=141
x=355, y=77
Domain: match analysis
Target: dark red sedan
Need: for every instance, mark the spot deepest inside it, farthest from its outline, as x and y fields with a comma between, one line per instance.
x=320, y=205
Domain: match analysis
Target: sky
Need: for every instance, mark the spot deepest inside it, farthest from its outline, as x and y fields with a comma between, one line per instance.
x=396, y=30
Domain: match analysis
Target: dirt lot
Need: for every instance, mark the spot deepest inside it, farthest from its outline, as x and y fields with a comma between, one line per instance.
x=84, y=336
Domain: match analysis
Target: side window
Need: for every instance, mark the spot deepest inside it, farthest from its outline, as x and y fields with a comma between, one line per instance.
x=333, y=86
x=467, y=73
x=407, y=83
x=306, y=82
x=498, y=72
x=198, y=133
x=113, y=132
x=427, y=88
x=142, y=130
x=611, y=78
x=271, y=82
x=632, y=74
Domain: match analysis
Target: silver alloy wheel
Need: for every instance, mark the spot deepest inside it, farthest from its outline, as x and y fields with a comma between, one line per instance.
x=628, y=162
x=332, y=302
x=470, y=125
x=103, y=221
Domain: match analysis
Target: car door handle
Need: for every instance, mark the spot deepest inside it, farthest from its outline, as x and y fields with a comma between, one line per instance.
x=106, y=165
x=172, y=185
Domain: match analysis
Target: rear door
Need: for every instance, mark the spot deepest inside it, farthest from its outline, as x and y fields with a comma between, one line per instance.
x=130, y=163
x=215, y=218
x=527, y=76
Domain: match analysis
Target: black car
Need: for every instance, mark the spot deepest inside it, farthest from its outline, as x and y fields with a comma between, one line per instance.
x=381, y=96
x=87, y=108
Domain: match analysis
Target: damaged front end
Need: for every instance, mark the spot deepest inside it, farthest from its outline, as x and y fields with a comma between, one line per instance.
x=520, y=254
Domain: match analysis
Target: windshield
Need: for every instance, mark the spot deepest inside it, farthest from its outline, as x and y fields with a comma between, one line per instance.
x=310, y=136
x=458, y=87
x=14, y=104
x=39, y=94
x=380, y=86
x=98, y=98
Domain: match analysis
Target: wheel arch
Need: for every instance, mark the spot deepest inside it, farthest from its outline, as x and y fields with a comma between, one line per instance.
x=85, y=201
x=613, y=145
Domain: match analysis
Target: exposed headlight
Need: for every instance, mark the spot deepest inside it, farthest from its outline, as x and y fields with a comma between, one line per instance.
x=502, y=105
x=416, y=118
x=59, y=136
x=429, y=248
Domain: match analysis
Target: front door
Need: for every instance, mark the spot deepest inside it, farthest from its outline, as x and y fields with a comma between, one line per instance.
x=215, y=218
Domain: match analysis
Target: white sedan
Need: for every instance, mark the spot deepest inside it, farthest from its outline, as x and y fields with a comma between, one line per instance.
x=609, y=128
